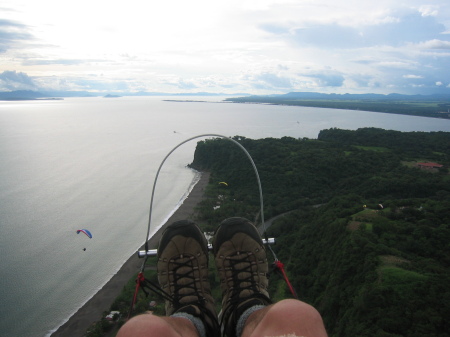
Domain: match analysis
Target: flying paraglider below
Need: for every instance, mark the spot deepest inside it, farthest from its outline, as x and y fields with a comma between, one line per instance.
x=85, y=231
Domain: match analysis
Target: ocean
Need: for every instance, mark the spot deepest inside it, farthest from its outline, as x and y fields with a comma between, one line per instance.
x=90, y=163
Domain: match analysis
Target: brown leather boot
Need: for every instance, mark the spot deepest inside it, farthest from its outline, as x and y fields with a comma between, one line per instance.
x=242, y=265
x=183, y=274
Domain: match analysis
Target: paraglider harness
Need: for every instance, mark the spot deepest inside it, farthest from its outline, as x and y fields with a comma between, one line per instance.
x=147, y=285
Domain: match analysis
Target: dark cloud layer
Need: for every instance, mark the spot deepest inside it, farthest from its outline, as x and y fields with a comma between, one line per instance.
x=12, y=80
x=11, y=33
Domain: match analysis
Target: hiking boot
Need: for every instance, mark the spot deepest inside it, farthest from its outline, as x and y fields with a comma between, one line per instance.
x=242, y=265
x=183, y=274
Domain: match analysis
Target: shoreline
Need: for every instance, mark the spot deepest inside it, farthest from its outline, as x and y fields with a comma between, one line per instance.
x=92, y=310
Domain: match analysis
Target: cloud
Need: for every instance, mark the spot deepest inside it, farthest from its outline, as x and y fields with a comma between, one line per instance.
x=394, y=30
x=396, y=64
x=95, y=84
x=434, y=44
x=412, y=76
x=12, y=32
x=269, y=81
x=284, y=80
x=360, y=80
x=327, y=36
x=274, y=28
x=413, y=27
x=75, y=83
x=40, y=62
x=429, y=10
x=12, y=80
x=186, y=85
x=182, y=84
x=280, y=46
x=327, y=79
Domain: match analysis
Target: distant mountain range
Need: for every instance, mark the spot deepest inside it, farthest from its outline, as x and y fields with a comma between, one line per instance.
x=31, y=95
x=378, y=97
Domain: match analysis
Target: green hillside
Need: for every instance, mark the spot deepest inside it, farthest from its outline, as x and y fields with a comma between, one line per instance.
x=366, y=237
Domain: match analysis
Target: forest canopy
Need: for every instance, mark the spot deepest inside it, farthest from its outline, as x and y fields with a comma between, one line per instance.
x=365, y=233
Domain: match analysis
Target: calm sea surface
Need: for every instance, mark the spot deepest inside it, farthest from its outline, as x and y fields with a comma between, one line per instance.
x=90, y=163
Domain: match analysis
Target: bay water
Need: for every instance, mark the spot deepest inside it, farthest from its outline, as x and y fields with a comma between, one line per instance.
x=90, y=163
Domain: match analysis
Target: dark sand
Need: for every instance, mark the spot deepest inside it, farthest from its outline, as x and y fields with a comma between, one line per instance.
x=92, y=311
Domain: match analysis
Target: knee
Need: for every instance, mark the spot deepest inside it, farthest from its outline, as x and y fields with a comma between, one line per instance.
x=287, y=317
x=146, y=325
x=291, y=310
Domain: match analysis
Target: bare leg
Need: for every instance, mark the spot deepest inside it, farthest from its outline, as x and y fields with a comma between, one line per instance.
x=287, y=317
x=148, y=325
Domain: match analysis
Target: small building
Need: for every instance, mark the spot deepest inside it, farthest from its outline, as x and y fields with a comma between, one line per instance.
x=429, y=166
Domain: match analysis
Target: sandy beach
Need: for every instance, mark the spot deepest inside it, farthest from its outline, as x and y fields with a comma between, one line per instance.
x=92, y=311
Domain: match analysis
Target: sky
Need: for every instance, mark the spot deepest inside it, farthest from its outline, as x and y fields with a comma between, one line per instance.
x=232, y=46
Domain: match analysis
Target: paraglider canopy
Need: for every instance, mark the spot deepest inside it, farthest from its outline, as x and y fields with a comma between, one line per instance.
x=85, y=231
x=223, y=183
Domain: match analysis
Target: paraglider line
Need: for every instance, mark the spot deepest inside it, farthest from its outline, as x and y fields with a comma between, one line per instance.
x=188, y=140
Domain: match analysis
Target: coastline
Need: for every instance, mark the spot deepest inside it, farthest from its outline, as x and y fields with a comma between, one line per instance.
x=93, y=309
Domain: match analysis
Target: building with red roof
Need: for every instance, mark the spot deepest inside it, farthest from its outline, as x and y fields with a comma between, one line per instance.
x=429, y=165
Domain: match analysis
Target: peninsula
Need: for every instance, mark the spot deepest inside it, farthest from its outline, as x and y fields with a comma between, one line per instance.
x=436, y=106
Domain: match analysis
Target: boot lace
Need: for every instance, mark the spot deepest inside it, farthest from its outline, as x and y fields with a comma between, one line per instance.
x=243, y=267
x=185, y=282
